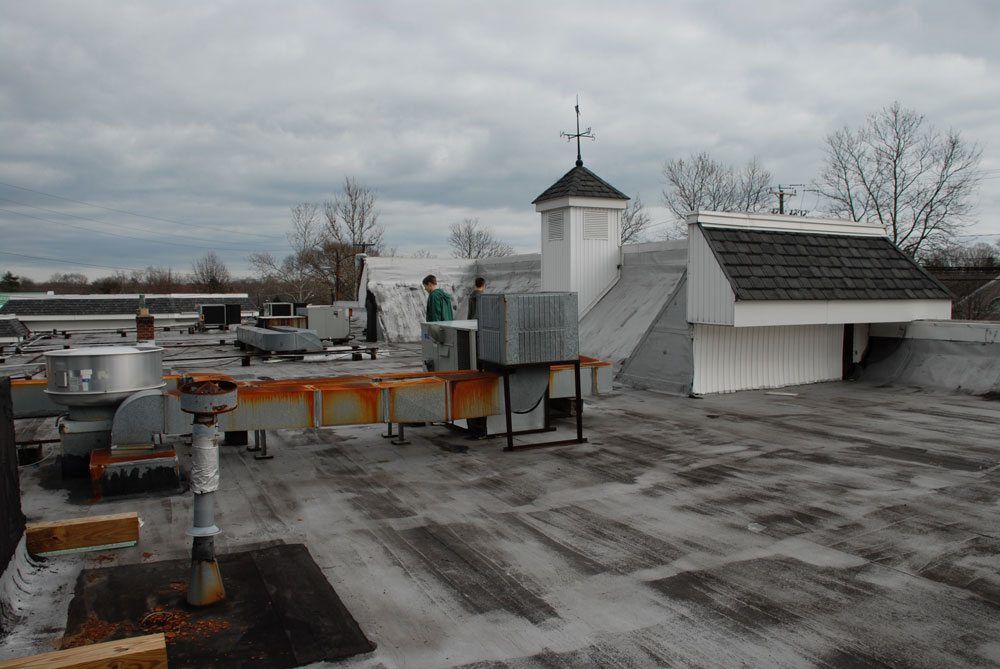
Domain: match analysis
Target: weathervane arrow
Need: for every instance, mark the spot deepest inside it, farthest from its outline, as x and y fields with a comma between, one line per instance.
x=586, y=134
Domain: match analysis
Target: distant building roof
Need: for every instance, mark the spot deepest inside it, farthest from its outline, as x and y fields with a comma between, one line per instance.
x=110, y=305
x=962, y=281
x=773, y=265
x=580, y=182
x=10, y=327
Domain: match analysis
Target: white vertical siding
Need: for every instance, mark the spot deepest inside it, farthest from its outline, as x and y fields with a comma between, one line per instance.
x=587, y=266
x=727, y=359
x=595, y=261
x=710, y=298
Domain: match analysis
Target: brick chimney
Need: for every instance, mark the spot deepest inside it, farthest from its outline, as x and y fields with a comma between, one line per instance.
x=145, y=331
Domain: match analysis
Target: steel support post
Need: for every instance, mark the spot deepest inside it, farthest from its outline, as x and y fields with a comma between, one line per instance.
x=401, y=441
x=579, y=401
x=507, y=411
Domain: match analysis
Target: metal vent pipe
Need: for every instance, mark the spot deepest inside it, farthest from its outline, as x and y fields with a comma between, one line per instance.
x=206, y=400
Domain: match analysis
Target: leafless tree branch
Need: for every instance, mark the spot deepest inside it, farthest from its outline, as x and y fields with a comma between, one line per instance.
x=470, y=239
x=915, y=181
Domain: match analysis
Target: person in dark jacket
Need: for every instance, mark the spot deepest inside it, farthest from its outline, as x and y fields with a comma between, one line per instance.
x=478, y=290
x=438, y=301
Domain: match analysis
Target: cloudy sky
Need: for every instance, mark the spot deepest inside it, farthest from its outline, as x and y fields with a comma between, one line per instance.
x=196, y=125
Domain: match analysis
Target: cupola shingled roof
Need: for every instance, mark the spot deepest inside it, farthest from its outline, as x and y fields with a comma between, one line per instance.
x=580, y=182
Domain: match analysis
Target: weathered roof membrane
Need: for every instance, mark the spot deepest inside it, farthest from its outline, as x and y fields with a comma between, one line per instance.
x=829, y=524
x=784, y=265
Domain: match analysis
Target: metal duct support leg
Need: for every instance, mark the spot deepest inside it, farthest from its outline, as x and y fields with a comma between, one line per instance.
x=400, y=440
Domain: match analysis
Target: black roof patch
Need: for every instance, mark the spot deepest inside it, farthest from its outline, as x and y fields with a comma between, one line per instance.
x=580, y=182
x=779, y=265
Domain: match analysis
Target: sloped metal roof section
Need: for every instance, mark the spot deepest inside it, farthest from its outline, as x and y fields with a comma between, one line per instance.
x=580, y=182
x=618, y=322
x=786, y=265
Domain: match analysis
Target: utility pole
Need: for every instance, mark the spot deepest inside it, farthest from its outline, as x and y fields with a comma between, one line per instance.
x=782, y=192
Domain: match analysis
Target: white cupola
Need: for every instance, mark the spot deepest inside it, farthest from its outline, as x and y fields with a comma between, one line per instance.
x=581, y=242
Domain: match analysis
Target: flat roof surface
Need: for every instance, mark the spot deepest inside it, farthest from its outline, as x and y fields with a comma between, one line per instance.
x=836, y=524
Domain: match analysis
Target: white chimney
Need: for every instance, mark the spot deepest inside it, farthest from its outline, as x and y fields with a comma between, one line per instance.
x=581, y=239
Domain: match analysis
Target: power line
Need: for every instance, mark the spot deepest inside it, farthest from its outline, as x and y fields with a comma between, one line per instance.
x=114, y=234
x=75, y=263
x=132, y=213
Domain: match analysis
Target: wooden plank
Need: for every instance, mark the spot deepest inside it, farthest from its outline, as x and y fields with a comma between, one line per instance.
x=91, y=532
x=141, y=652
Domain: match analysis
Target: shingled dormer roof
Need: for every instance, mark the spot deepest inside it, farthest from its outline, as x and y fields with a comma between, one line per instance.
x=580, y=182
x=778, y=265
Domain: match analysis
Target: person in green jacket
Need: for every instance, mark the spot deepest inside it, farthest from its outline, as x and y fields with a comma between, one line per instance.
x=438, y=301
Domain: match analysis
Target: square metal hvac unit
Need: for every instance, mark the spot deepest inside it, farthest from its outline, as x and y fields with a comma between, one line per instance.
x=279, y=309
x=234, y=314
x=212, y=314
x=528, y=328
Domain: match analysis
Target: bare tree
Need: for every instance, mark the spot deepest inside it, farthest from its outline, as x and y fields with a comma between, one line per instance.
x=210, y=272
x=635, y=220
x=300, y=275
x=159, y=280
x=352, y=219
x=470, y=239
x=961, y=255
x=423, y=253
x=915, y=181
x=754, y=187
x=69, y=279
x=351, y=226
x=702, y=183
x=291, y=276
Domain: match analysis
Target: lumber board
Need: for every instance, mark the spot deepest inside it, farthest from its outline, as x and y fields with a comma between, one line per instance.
x=90, y=532
x=141, y=652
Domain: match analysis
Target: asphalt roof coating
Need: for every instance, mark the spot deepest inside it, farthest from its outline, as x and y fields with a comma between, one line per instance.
x=845, y=525
x=780, y=265
x=580, y=182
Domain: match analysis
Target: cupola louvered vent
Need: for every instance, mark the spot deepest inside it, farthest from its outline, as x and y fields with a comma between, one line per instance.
x=595, y=224
x=555, y=220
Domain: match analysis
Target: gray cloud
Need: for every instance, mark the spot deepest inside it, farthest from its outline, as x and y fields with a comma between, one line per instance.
x=224, y=114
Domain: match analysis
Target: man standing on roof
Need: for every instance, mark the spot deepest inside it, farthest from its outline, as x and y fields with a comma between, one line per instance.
x=438, y=301
x=478, y=290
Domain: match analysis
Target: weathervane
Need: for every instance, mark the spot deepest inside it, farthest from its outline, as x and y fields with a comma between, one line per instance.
x=587, y=134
